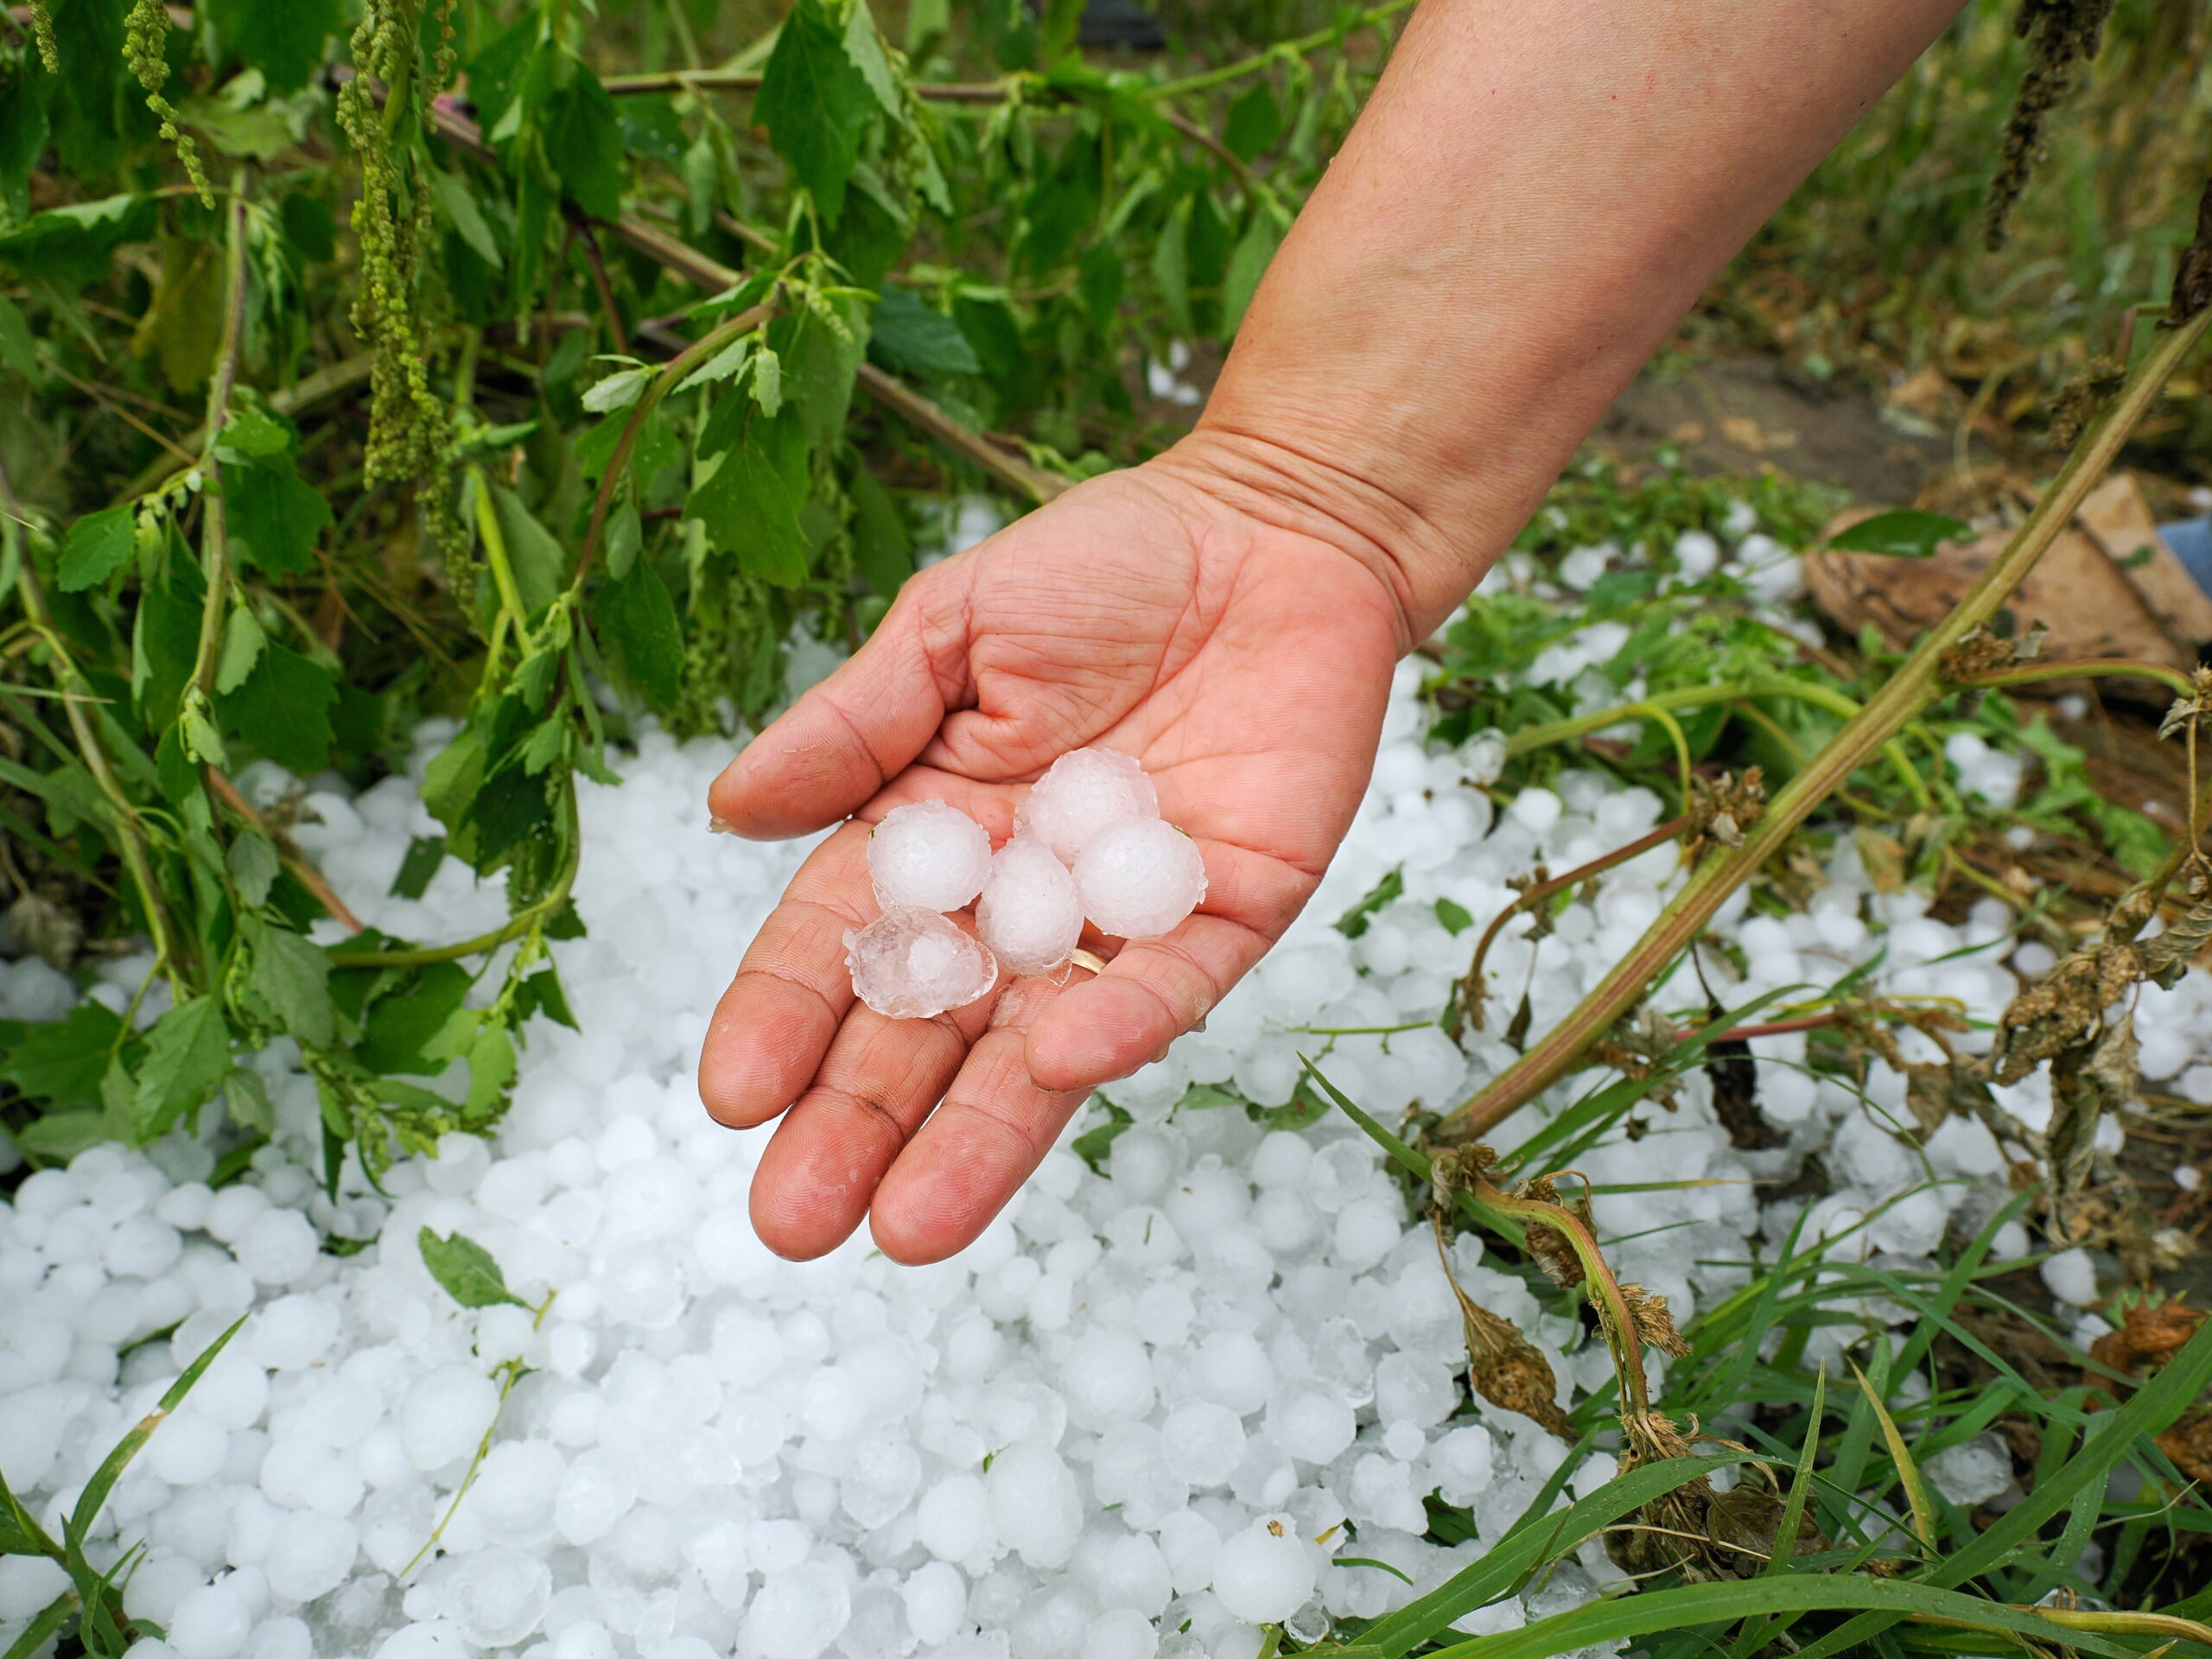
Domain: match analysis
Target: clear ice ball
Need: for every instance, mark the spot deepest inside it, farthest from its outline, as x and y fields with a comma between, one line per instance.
x=1030, y=914
x=1139, y=879
x=1085, y=790
x=929, y=855
x=911, y=963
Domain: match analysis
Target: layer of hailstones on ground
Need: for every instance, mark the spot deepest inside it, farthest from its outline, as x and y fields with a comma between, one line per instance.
x=1087, y=844
x=1145, y=1415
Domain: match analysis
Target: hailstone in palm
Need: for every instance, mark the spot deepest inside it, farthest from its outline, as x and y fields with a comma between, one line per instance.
x=1139, y=879
x=928, y=855
x=1085, y=790
x=1030, y=914
x=911, y=963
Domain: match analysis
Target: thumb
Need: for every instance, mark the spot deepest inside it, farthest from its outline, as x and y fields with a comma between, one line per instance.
x=833, y=749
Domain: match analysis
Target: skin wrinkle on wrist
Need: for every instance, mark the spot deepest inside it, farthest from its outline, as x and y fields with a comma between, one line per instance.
x=1280, y=486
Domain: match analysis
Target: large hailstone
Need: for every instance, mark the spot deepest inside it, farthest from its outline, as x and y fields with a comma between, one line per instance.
x=911, y=963
x=1139, y=879
x=1085, y=790
x=928, y=855
x=1030, y=915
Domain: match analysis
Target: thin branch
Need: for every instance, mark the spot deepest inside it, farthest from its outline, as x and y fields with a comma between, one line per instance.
x=742, y=80
x=305, y=873
x=217, y=522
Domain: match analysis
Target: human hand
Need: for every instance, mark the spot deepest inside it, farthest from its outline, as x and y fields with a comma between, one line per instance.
x=1241, y=649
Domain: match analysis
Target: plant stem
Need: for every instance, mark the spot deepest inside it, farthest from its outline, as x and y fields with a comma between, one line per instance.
x=217, y=544
x=1470, y=987
x=1916, y=685
x=2101, y=667
x=517, y=925
x=304, y=873
x=702, y=352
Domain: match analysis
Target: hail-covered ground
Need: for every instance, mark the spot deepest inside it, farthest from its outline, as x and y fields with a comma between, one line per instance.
x=1153, y=1409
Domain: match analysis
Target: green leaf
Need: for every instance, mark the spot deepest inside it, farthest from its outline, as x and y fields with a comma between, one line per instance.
x=1254, y=123
x=187, y=1052
x=61, y=1063
x=424, y=854
x=1385, y=892
x=274, y=518
x=815, y=103
x=291, y=977
x=642, y=633
x=283, y=711
x=541, y=564
x=457, y=202
x=490, y=1072
x=1454, y=916
x=96, y=546
x=747, y=511
x=243, y=638
x=1908, y=534
x=70, y=246
x=465, y=1269
x=253, y=432
x=283, y=39
x=402, y=1024
x=253, y=865
x=18, y=349
x=1254, y=250
x=541, y=993
x=883, y=550
x=583, y=142
x=863, y=47
x=911, y=338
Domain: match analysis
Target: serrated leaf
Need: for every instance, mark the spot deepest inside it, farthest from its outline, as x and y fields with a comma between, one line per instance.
x=187, y=1052
x=1906, y=534
x=815, y=102
x=291, y=975
x=490, y=1072
x=583, y=142
x=866, y=50
x=275, y=518
x=641, y=633
x=253, y=432
x=747, y=511
x=283, y=39
x=403, y=1024
x=768, y=382
x=243, y=638
x=464, y=1270
x=1254, y=123
x=911, y=338
x=283, y=711
x=96, y=546
x=722, y=366
x=61, y=1063
x=253, y=865
x=246, y=1097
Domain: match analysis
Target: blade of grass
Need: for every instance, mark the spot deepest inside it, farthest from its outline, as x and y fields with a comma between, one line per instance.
x=2111, y=1436
x=1656, y=1611
x=1536, y=1540
x=1916, y=1486
x=42, y=1630
x=1793, y=1513
x=113, y=1466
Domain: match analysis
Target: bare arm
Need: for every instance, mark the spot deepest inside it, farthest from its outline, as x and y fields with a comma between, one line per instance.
x=1535, y=195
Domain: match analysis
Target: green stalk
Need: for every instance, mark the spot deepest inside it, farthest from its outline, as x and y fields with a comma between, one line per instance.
x=217, y=545
x=663, y=383
x=1916, y=685
x=1299, y=47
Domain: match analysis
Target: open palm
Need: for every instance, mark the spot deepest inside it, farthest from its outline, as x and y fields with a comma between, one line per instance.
x=1247, y=666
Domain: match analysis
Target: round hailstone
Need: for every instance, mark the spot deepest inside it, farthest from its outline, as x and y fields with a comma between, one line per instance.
x=1085, y=790
x=913, y=964
x=1138, y=880
x=929, y=855
x=1030, y=915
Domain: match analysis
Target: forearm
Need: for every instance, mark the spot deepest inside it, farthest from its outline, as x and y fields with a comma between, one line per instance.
x=1537, y=192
